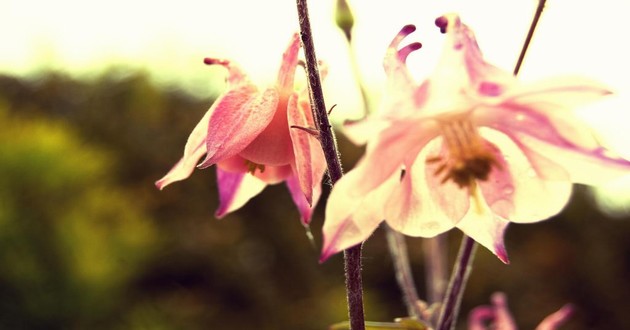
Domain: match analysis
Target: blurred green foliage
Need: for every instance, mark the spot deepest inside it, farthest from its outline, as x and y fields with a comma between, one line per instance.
x=88, y=242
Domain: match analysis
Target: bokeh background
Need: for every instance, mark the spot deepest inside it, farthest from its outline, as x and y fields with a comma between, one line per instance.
x=96, y=103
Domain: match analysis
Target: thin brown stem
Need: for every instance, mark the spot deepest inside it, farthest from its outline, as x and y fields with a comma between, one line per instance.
x=352, y=256
x=530, y=35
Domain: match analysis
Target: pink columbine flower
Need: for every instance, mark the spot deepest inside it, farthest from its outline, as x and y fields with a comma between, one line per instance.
x=471, y=148
x=498, y=316
x=247, y=133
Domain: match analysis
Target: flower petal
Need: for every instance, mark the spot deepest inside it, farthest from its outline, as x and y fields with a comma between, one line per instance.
x=305, y=209
x=568, y=145
x=402, y=95
x=235, y=189
x=273, y=145
x=351, y=219
x=241, y=116
x=562, y=93
x=462, y=68
x=286, y=74
x=485, y=228
x=310, y=163
x=396, y=145
x=519, y=189
x=421, y=205
x=195, y=148
x=360, y=131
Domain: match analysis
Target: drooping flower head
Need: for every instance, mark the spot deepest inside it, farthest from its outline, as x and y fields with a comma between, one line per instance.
x=247, y=133
x=471, y=147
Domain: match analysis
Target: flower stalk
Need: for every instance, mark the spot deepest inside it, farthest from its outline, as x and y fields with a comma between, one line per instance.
x=400, y=257
x=454, y=293
x=463, y=264
x=352, y=256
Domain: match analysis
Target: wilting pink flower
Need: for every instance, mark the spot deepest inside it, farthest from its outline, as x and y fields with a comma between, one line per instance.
x=471, y=148
x=247, y=133
x=498, y=316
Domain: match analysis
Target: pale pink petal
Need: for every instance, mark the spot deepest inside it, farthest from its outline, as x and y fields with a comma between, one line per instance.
x=579, y=155
x=310, y=163
x=402, y=95
x=235, y=189
x=485, y=227
x=306, y=210
x=592, y=167
x=560, y=94
x=391, y=149
x=555, y=320
x=462, y=67
x=193, y=151
x=237, y=121
x=360, y=131
x=286, y=74
x=351, y=219
x=520, y=190
x=421, y=205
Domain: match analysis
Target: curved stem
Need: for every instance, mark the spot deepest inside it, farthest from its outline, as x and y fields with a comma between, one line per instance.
x=459, y=277
x=352, y=256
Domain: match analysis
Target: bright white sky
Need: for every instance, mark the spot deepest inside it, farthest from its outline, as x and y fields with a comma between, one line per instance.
x=169, y=39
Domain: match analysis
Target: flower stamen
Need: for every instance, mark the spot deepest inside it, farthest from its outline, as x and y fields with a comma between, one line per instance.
x=252, y=167
x=468, y=157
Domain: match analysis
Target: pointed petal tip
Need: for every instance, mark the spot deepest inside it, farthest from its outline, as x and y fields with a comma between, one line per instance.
x=326, y=254
x=327, y=250
x=161, y=183
x=207, y=162
x=501, y=253
x=220, y=213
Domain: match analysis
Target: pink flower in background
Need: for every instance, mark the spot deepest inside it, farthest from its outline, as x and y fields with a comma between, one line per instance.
x=247, y=134
x=498, y=316
x=471, y=148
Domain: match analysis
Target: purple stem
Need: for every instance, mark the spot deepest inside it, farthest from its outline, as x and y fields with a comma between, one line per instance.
x=352, y=256
x=436, y=268
x=455, y=290
x=398, y=250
